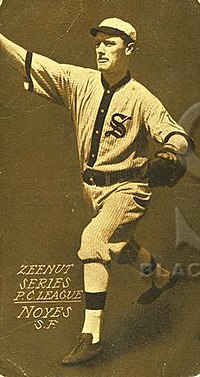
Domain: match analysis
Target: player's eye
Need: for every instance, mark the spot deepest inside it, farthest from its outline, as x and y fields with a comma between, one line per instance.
x=108, y=44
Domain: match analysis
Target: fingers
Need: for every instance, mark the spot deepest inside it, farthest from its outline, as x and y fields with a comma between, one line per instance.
x=167, y=156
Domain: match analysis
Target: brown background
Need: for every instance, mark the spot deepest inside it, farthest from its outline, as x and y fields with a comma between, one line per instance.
x=43, y=212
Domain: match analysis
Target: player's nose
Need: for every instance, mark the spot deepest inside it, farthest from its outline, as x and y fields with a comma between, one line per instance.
x=101, y=48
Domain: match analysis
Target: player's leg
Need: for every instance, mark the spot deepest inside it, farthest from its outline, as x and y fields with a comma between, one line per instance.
x=118, y=208
x=131, y=252
x=96, y=255
x=141, y=260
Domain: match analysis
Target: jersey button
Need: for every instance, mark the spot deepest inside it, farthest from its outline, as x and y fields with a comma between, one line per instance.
x=97, y=132
x=93, y=155
x=102, y=111
x=108, y=91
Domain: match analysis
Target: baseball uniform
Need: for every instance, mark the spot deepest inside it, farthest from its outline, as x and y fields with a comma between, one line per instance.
x=112, y=127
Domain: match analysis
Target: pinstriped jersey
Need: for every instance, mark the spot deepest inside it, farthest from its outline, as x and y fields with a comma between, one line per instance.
x=112, y=125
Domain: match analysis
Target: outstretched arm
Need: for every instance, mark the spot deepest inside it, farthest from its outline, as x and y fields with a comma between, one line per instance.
x=13, y=54
x=44, y=76
x=40, y=74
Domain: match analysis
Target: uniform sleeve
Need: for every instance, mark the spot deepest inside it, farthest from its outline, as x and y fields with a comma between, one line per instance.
x=52, y=80
x=159, y=123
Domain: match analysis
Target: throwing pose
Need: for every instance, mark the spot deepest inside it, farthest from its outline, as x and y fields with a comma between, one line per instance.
x=113, y=116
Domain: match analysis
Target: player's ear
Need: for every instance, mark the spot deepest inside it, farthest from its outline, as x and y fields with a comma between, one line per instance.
x=129, y=49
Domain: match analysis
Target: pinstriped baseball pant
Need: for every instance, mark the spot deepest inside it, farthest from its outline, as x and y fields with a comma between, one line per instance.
x=116, y=211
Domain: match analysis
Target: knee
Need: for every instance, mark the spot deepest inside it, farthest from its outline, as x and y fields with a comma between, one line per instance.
x=93, y=248
x=89, y=238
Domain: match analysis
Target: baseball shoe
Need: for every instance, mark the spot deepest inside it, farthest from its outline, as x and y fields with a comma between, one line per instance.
x=153, y=293
x=83, y=351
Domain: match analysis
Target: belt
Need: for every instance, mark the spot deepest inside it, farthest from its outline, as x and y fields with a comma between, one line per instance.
x=99, y=178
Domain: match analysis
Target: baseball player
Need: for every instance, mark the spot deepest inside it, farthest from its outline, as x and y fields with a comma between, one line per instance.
x=113, y=116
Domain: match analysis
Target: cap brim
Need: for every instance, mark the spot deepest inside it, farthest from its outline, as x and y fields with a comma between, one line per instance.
x=106, y=30
x=110, y=31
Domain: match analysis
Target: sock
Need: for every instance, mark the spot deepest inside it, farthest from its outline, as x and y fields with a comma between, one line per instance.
x=96, y=277
x=92, y=323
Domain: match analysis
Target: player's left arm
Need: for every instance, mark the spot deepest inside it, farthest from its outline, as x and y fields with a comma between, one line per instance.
x=168, y=165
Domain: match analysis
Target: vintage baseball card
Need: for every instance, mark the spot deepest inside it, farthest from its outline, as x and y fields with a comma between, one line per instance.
x=100, y=182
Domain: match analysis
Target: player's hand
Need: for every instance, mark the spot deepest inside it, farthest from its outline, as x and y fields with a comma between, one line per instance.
x=166, y=168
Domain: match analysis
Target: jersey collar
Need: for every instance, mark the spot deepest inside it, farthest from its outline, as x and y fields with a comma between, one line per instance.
x=118, y=85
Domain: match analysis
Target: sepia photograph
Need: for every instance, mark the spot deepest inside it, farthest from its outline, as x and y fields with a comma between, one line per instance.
x=100, y=182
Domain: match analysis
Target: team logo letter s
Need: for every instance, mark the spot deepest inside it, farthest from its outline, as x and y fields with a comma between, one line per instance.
x=117, y=124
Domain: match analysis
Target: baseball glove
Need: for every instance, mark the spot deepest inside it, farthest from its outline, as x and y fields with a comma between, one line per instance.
x=166, y=168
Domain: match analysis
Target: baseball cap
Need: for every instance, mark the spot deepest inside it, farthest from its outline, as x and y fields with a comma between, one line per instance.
x=115, y=26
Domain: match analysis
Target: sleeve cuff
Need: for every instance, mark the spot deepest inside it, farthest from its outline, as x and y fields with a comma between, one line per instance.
x=28, y=70
x=191, y=144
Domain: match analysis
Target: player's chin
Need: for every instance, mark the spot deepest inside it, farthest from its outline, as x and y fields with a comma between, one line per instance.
x=103, y=67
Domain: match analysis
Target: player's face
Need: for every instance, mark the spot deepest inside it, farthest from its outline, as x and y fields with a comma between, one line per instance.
x=110, y=53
